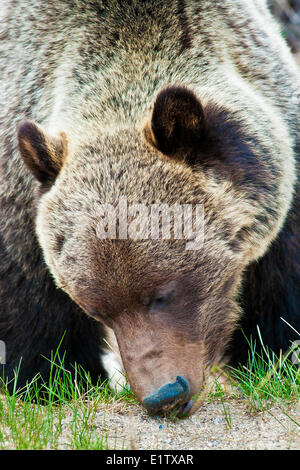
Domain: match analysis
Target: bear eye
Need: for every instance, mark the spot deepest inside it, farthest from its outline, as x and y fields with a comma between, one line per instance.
x=162, y=296
x=161, y=300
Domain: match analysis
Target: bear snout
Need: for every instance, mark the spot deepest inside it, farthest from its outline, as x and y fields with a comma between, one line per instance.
x=167, y=397
x=159, y=368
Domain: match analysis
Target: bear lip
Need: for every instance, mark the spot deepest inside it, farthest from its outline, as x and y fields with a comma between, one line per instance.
x=185, y=409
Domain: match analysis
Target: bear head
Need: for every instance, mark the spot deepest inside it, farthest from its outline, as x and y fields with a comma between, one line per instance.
x=150, y=230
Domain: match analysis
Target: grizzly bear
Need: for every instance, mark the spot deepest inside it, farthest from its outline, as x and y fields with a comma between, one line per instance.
x=173, y=104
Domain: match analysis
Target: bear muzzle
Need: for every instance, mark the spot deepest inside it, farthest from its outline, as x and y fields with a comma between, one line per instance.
x=167, y=397
x=164, y=373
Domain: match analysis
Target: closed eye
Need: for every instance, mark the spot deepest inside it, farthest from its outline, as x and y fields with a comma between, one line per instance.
x=161, y=301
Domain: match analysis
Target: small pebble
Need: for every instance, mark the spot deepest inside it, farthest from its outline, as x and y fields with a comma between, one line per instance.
x=218, y=420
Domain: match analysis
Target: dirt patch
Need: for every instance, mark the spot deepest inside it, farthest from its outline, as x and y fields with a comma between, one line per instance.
x=209, y=428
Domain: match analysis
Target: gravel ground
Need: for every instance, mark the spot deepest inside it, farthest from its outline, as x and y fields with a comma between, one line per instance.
x=129, y=427
x=123, y=426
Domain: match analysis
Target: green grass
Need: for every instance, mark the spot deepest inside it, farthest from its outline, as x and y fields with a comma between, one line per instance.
x=64, y=413
x=59, y=414
x=266, y=380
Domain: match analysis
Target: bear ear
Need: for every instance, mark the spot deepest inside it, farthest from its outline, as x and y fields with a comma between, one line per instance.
x=177, y=124
x=44, y=155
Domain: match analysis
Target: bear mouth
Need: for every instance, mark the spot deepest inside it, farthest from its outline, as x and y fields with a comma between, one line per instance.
x=185, y=409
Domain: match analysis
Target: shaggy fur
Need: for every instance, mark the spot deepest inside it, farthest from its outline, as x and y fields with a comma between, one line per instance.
x=161, y=101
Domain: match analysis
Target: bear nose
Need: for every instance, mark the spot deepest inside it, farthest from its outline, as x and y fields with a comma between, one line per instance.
x=167, y=396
